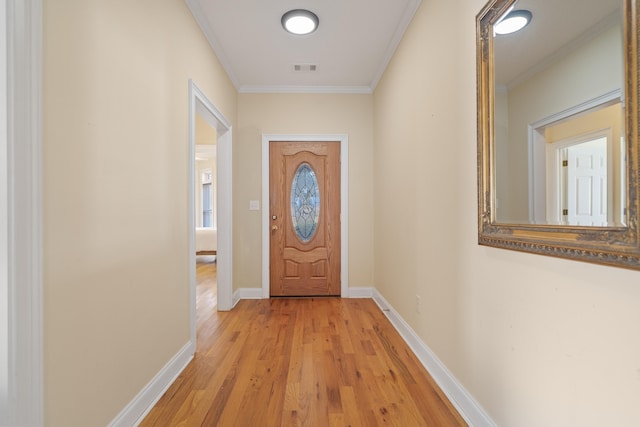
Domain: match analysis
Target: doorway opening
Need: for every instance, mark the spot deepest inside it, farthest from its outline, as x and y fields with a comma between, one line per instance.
x=213, y=123
x=206, y=217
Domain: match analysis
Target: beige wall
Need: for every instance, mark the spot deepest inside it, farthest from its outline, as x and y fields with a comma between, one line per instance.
x=206, y=134
x=302, y=114
x=116, y=293
x=538, y=341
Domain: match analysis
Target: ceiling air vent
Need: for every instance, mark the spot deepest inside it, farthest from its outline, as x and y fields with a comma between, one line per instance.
x=304, y=68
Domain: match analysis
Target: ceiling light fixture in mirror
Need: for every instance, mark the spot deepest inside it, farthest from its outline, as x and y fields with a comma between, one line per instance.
x=513, y=21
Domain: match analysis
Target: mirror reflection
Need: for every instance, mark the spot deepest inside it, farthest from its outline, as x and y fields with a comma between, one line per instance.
x=559, y=116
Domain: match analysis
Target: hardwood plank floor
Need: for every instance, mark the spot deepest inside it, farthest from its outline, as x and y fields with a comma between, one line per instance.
x=299, y=362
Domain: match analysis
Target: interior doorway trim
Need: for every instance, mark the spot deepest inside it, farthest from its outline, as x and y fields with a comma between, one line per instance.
x=22, y=57
x=199, y=103
x=343, y=139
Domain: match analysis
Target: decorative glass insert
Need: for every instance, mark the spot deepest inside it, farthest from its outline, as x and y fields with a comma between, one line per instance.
x=305, y=202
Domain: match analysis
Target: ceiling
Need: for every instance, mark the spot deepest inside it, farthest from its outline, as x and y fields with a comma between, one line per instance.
x=351, y=47
x=357, y=38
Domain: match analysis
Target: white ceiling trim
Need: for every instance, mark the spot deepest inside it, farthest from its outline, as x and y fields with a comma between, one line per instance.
x=218, y=51
x=307, y=89
x=217, y=47
x=407, y=16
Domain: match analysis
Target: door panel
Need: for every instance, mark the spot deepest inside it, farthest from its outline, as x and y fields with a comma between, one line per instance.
x=304, y=204
x=587, y=183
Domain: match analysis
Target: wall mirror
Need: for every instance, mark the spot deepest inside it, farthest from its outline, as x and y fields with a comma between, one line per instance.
x=558, y=129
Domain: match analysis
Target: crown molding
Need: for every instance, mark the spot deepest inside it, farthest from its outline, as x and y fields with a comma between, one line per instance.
x=406, y=19
x=218, y=51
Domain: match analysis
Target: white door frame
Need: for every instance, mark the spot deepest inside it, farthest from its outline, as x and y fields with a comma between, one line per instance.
x=537, y=152
x=344, y=203
x=23, y=150
x=199, y=103
x=4, y=227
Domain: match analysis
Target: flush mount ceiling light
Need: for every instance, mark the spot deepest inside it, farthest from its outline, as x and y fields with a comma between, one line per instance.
x=513, y=21
x=300, y=21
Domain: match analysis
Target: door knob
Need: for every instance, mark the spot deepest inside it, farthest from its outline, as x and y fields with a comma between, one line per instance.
x=274, y=227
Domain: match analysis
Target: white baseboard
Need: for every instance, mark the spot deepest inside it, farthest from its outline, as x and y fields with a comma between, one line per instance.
x=464, y=402
x=360, y=292
x=246, y=293
x=139, y=407
x=257, y=293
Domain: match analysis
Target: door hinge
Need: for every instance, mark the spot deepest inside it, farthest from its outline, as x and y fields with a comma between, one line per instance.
x=565, y=163
x=565, y=212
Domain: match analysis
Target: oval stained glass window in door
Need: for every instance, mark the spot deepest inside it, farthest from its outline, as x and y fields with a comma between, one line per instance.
x=305, y=202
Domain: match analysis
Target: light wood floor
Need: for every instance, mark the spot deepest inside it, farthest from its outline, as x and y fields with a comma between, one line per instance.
x=299, y=362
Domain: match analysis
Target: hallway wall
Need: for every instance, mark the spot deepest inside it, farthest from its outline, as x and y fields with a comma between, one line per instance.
x=537, y=341
x=115, y=146
x=350, y=114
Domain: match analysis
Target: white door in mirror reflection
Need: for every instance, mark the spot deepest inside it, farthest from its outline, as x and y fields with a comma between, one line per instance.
x=586, y=177
x=582, y=171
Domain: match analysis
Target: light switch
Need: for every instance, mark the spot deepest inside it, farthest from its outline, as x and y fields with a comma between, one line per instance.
x=254, y=205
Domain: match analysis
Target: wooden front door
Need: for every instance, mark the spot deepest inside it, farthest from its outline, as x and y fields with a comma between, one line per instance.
x=304, y=204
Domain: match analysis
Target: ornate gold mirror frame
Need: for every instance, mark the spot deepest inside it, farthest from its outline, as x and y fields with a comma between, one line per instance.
x=618, y=246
